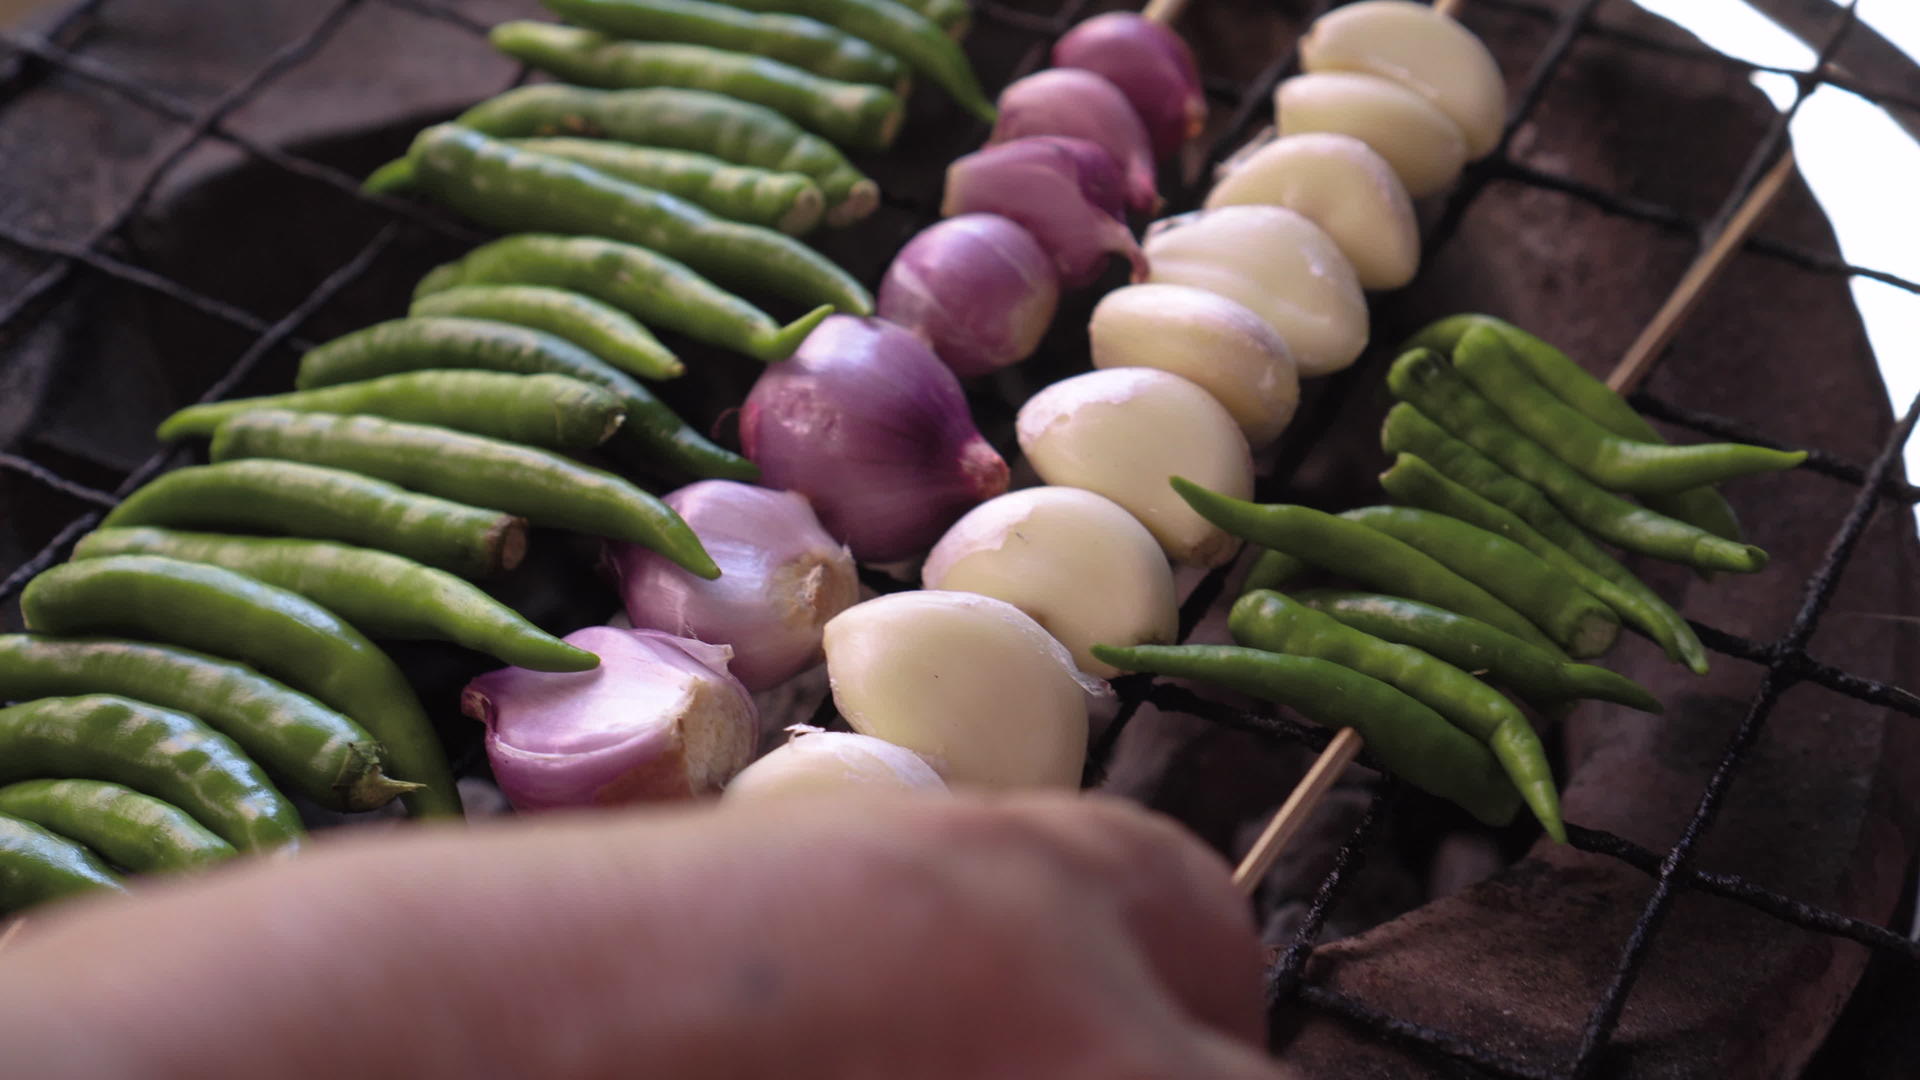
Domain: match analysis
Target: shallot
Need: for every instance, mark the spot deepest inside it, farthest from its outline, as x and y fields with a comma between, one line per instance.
x=1340, y=184
x=968, y=682
x=1424, y=146
x=660, y=718
x=816, y=762
x=873, y=429
x=1060, y=189
x=782, y=577
x=1150, y=64
x=977, y=288
x=1084, y=105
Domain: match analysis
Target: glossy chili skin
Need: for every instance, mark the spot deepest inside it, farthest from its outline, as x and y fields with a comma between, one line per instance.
x=553, y=411
x=1499, y=499
x=418, y=344
x=1276, y=623
x=329, y=504
x=601, y=329
x=1406, y=736
x=37, y=866
x=649, y=286
x=788, y=201
x=1359, y=553
x=1473, y=646
x=856, y=115
x=159, y=752
x=544, y=488
x=1703, y=506
x=953, y=16
x=138, y=832
x=280, y=633
x=311, y=748
x=1608, y=460
x=383, y=595
x=793, y=39
x=1424, y=380
x=736, y=131
x=1547, y=595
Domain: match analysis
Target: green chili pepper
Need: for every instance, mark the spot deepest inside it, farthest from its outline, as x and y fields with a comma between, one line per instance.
x=281, y=633
x=1473, y=646
x=1406, y=736
x=648, y=286
x=859, y=116
x=601, y=329
x=381, y=595
x=313, y=749
x=1603, y=457
x=788, y=201
x=1703, y=507
x=418, y=344
x=1355, y=551
x=735, y=131
x=329, y=504
x=540, y=410
x=1272, y=570
x=792, y=39
x=1413, y=480
x=1547, y=595
x=1274, y=622
x=953, y=16
x=901, y=31
x=545, y=488
x=138, y=832
x=1422, y=379
x=36, y=866
x=156, y=751
x=393, y=178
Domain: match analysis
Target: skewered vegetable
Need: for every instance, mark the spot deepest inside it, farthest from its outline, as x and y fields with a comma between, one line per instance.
x=1056, y=188
x=1421, y=49
x=816, y=762
x=1150, y=64
x=1424, y=147
x=37, y=866
x=792, y=39
x=138, y=832
x=788, y=201
x=976, y=288
x=601, y=329
x=1080, y=104
x=1340, y=184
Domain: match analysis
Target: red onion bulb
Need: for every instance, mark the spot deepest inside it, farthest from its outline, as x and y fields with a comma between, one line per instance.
x=1057, y=188
x=1150, y=64
x=978, y=288
x=873, y=429
x=660, y=718
x=1081, y=104
x=781, y=578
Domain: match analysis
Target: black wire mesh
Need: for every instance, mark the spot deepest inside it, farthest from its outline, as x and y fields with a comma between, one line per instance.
x=26, y=62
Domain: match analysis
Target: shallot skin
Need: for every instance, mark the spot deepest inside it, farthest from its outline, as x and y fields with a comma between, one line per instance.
x=1055, y=187
x=977, y=288
x=1150, y=64
x=1082, y=104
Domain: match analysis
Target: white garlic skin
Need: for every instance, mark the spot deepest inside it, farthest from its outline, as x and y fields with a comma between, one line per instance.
x=1424, y=146
x=1220, y=344
x=1124, y=433
x=1421, y=49
x=967, y=682
x=1340, y=184
x=831, y=763
x=1276, y=263
x=1076, y=562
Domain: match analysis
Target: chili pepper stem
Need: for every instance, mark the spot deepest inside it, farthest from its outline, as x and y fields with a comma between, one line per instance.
x=782, y=344
x=392, y=178
x=1293, y=813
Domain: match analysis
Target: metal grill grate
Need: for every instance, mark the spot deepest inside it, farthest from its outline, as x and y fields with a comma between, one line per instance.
x=26, y=63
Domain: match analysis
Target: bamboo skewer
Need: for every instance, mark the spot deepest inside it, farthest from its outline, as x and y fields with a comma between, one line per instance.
x=1164, y=12
x=12, y=931
x=1293, y=813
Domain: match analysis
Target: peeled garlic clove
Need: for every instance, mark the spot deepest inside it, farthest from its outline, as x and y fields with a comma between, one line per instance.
x=1421, y=49
x=1340, y=184
x=1215, y=342
x=969, y=683
x=1075, y=562
x=1423, y=145
x=816, y=762
x=1276, y=263
x=1123, y=433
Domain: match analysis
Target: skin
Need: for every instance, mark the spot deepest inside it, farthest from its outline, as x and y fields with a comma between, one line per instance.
x=419, y=344
x=545, y=488
x=37, y=866
x=514, y=190
x=792, y=39
x=1542, y=528
x=603, y=330
x=786, y=201
x=281, y=633
x=358, y=584
x=1060, y=937
x=139, y=832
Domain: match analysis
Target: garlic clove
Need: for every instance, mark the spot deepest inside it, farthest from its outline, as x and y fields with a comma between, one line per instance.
x=816, y=762
x=1123, y=433
x=1076, y=562
x=1421, y=49
x=1278, y=264
x=1340, y=184
x=968, y=682
x=1218, y=343
x=1424, y=146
